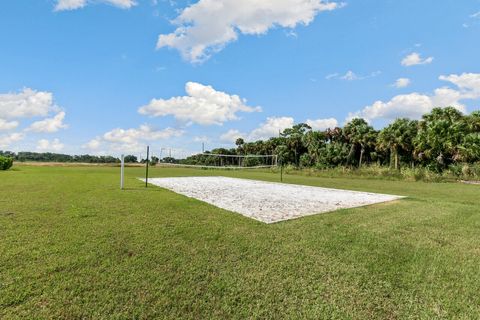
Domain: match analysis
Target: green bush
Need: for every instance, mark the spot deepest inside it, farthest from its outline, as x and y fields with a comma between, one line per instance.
x=5, y=163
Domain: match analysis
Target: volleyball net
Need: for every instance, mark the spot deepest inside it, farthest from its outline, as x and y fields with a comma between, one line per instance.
x=225, y=161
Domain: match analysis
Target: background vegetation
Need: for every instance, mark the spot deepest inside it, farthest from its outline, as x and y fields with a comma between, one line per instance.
x=444, y=139
x=57, y=157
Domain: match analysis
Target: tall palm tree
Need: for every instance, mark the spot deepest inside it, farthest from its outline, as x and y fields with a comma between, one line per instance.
x=361, y=137
x=398, y=138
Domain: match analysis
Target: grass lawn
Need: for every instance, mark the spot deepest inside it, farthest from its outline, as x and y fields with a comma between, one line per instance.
x=72, y=245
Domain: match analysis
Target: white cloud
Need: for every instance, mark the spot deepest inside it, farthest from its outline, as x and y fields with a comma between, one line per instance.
x=232, y=135
x=469, y=84
x=352, y=76
x=203, y=105
x=145, y=132
x=5, y=125
x=70, y=4
x=414, y=105
x=402, y=83
x=45, y=145
x=130, y=140
x=207, y=26
x=322, y=124
x=273, y=126
x=332, y=76
x=414, y=59
x=270, y=128
x=8, y=140
x=27, y=103
x=93, y=144
x=49, y=125
x=63, y=5
x=201, y=139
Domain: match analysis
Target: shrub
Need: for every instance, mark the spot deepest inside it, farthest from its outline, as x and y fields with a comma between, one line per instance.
x=5, y=163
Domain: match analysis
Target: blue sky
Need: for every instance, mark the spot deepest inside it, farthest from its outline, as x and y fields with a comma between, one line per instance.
x=111, y=76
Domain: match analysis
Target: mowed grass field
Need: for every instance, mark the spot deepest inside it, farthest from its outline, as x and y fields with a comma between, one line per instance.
x=72, y=245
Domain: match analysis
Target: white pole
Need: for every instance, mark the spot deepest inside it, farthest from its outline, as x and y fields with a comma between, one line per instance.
x=122, y=167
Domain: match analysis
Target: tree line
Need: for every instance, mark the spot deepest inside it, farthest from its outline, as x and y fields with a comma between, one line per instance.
x=57, y=157
x=441, y=138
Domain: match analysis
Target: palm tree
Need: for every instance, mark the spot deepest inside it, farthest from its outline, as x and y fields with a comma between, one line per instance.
x=440, y=134
x=239, y=143
x=361, y=136
x=398, y=138
x=294, y=137
x=314, y=141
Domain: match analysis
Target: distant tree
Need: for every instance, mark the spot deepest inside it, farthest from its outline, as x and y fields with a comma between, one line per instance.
x=130, y=159
x=154, y=160
x=169, y=160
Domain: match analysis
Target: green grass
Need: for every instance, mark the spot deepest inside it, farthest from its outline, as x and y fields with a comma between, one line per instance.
x=72, y=245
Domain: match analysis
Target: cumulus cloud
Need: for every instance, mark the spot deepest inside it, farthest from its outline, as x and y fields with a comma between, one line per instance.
x=414, y=105
x=25, y=104
x=8, y=140
x=6, y=125
x=93, y=144
x=145, y=132
x=469, y=84
x=232, y=135
x=63, y=5
x=28, y=103
x=322, y=124
x=414, y=59
x=49, y=125
x=207, y=26
x=402, y=83
x=270, y=128
x=45, y=145
x=202, y=105
x=130, y=140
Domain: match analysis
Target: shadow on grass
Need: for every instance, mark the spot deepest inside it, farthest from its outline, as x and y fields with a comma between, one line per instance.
x=149, y=189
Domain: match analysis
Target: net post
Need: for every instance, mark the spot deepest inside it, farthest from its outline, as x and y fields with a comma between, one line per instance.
x=122, y=170
x=281, y=170
x=146, y=168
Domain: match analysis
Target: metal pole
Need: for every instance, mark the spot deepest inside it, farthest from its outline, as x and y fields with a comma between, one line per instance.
x=281, y=171
x=122, y=166
x=146, y=171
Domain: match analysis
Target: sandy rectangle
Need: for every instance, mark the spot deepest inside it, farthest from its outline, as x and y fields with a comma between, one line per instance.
x=268, y=202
